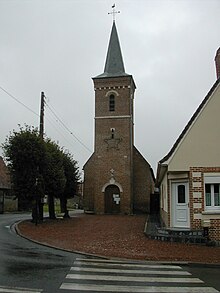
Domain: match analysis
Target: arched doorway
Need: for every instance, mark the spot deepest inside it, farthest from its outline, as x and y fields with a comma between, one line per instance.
x=112, y=199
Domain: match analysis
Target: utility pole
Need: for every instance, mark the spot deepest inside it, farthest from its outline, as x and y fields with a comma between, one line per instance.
x=42, y=115
x=39, y=199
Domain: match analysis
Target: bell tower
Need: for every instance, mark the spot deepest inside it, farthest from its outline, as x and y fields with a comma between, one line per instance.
x=109, y=181
x=114, y=93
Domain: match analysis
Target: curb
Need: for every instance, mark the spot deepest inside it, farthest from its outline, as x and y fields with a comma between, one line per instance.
x=14, y=227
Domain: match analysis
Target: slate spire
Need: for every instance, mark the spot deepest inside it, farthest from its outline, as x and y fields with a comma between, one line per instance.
x=114, y=65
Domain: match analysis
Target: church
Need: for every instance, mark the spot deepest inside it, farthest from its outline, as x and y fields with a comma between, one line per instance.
x=117, y=178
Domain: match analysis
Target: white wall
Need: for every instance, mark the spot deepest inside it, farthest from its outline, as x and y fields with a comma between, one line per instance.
x=201, y=145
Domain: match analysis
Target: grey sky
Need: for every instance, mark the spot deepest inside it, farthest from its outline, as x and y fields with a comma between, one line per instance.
x=57, y=46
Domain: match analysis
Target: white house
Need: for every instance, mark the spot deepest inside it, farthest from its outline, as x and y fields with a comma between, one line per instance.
x=189, y=175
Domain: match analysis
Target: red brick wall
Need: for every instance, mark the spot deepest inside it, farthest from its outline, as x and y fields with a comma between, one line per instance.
x=122, y=175
x=88, y=186
x=122, y=88
x=112, y=153
x=115, y=153
x=143, y=183
x=214, y=230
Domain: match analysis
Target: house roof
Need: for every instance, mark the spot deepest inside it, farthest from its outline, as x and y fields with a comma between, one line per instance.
x=195, y=115
x=114, y=65
x=4, y=176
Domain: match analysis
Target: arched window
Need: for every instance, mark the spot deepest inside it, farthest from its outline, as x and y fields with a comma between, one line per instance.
x=111, y=103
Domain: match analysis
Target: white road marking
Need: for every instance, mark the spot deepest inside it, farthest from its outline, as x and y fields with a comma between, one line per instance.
x=133, y=279
x=136, y=289
x=145, y=272
x=19, y=290
x=144, y=266
x=104, y=276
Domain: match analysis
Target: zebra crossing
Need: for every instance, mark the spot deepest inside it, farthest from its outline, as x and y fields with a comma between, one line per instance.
x=6, y=289
x=98, y=275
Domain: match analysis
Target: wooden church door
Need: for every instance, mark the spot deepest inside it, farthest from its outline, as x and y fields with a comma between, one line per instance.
x=112, y=199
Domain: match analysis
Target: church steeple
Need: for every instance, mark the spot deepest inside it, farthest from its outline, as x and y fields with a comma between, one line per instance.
x=117, y=179
x=114, y=65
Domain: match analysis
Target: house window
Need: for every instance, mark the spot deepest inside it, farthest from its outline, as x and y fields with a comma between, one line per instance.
x=111, y=103
x=212, y=196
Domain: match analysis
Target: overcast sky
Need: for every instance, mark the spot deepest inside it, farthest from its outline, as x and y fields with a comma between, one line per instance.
x=57, y=46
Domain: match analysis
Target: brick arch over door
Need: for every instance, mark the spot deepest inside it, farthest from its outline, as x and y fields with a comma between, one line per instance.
x=112, y=199
x=112, y=182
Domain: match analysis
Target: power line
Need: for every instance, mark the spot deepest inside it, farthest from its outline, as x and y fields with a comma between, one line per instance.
x=61, y=133
x=17, y=100
x=58, y=119
x=65, y=127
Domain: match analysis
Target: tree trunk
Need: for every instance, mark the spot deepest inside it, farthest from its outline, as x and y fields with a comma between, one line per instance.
x=51, y=207
x=34, y=214
x=35, y=211
x=41, y=211
x=63, y=207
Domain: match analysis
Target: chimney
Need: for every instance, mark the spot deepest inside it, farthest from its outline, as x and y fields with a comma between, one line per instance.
x=217, y=63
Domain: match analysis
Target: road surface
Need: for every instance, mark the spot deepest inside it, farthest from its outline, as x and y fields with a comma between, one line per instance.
x=26, y=267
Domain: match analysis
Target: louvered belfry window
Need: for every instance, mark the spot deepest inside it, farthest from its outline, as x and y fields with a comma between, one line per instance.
x=111, y=103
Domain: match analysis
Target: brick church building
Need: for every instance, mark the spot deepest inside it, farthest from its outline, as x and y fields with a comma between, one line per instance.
x=117, y=178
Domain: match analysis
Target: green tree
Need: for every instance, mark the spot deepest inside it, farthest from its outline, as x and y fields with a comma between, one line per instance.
x=37, y=168
x=25, y=153
x=71, y=172
x=53, y=174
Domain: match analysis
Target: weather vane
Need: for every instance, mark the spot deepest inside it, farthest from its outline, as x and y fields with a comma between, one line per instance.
x=114, y=12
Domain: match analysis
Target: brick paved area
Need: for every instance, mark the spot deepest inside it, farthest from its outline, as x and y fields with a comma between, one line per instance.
x=114, y=236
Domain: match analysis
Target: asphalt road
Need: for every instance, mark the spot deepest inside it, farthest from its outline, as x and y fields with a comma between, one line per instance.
x=24, y=264
x=28, y=265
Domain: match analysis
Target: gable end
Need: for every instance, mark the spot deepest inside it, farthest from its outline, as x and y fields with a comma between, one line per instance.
x=193, y=118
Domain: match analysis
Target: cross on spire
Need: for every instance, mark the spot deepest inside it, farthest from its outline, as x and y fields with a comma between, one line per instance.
x=114, y=12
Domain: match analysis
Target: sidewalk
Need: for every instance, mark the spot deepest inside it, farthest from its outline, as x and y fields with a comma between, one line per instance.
x=114, y=236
